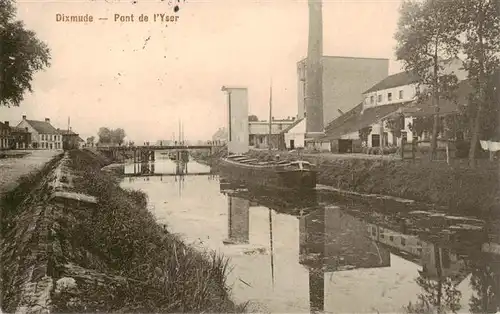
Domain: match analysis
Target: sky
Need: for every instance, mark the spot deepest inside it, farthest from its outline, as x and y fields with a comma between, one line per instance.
x=146, y=76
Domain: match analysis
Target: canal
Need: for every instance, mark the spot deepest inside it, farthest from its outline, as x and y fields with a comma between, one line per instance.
x=323, y=253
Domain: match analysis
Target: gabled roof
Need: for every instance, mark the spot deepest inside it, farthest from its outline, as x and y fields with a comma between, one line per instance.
x=339, y=121
x=291, y=126
x=42, y=127
x=15, y=129
x=361, y=119
x=395, y=80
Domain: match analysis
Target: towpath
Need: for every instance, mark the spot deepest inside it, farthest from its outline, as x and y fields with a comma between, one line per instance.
x=11, y=169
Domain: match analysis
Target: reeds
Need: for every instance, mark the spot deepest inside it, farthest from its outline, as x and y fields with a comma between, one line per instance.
x=164, y=275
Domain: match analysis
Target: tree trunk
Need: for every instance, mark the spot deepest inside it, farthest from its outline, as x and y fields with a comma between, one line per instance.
x=474, y=138
x=435, y=126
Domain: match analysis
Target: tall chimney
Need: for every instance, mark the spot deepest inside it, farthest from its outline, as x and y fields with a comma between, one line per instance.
x=314, y=70
x=47, y=120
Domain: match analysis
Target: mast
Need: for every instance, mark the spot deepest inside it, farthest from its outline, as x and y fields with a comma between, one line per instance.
x=271, y=243
x=270, y=113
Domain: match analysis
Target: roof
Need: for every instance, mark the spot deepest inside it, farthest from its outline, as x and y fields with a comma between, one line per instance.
x=67, y=132
x=291, y=126
x=42, y=127
x=356, y=119
x=359, y=119
x=398, y=79
x=3, y=126
x=18, y=130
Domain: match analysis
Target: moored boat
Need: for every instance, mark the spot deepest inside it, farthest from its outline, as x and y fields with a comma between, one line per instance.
x=289, y=175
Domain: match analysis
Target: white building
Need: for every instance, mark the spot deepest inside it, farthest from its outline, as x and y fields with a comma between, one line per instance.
x=392, y=97
x=237, y=109
x=295, y=134
x=43, y=134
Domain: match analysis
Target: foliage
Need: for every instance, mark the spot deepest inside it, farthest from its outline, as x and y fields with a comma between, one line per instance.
x=165, y=275
x=421, y=124
x=479, y=22
x=109, y=136
x=441, y=294
x=458, y=188
x=90, y=140
x=364, y=132
x=484, y=281
x=427, y=35
x=253, y=118
x=21, y=55
x=396, y=124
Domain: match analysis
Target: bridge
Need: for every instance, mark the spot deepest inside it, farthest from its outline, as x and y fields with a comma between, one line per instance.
x=146, y=152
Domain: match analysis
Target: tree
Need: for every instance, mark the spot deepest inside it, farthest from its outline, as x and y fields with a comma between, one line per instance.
x=252, y=118
x=479, y=22
x=105, y=136
x=484, y=281
x=21, y=55
x=90, y=140
x=427, y=34
x=364, y=132
x=118, y=136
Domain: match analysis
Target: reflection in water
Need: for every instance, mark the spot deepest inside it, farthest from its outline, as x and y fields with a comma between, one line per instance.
x=337, y=256
x=238, y=220
x=332, y=241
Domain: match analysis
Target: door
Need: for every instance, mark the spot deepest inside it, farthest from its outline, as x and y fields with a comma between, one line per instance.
x=375, y=140
x=292, y=144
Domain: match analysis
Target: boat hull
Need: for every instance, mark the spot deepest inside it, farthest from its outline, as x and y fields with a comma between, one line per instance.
x=269, y=177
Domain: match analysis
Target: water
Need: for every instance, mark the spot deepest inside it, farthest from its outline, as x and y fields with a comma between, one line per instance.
x=323, y=253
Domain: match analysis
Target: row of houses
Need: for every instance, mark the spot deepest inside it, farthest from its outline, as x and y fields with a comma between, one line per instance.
x=36, y=134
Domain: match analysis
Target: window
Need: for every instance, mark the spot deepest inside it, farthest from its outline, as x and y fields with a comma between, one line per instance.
x=372, y=99
x=417, y=90
x=391, y=238
x=389, y=96
x=403, y=241
x=400, y=94
x=43, y=137
x=379, y=98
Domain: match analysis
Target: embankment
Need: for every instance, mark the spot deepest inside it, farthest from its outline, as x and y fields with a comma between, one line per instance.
x=457, y=189
x=77, y=242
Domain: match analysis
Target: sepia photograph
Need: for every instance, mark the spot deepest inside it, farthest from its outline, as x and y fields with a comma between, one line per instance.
x=250, y=156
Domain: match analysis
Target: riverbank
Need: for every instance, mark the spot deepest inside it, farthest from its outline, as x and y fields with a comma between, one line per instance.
x=79, y=243
x=456, y=189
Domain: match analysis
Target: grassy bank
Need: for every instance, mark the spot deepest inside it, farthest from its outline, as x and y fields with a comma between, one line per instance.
x=458, y=188
x=148, y=269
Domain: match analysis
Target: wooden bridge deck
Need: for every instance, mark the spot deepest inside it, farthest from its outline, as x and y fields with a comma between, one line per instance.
x=156, y=147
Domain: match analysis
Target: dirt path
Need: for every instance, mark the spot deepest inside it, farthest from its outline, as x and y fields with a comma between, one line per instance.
x=11, y=169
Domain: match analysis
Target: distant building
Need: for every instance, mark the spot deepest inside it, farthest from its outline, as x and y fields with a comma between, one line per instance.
x=43, y=134
x=220, y=135
x=344, y=81
x=258, y=132
x=5, y=135
x=21, y=138
x=70, y=139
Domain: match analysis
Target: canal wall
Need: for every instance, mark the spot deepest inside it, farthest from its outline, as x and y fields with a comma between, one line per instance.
x=74, y=241
x=455, y=189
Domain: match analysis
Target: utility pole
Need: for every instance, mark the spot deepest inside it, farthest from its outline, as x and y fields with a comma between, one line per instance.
x=270, y=113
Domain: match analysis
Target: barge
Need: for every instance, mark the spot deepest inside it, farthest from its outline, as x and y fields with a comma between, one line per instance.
x=282, y=175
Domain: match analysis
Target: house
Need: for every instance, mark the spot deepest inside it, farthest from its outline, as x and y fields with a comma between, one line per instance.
x=70, y=139
x=21, y=138
x=220, y=135
x=258, y=132
x=5, y=135
x=294, y=135
x=81, y=142
x=43, y=134
x=393, y=97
